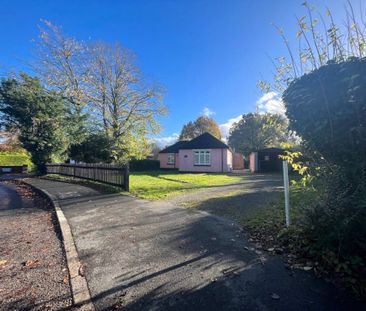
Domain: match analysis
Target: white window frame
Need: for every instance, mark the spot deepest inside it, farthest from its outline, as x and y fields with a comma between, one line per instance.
x=171, y=158
x=204, y=157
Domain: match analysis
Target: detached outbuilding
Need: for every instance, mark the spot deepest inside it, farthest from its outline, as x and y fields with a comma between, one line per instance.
x=266, y=160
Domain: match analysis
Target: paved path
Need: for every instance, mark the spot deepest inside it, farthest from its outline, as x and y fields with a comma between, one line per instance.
x=144, y=255
x=238, y=202
x=10, y=200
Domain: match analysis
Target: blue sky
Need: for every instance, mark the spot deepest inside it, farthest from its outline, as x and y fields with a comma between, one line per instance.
x=207, y=54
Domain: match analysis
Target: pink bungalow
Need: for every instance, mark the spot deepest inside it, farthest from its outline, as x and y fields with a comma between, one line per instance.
x=204, y=153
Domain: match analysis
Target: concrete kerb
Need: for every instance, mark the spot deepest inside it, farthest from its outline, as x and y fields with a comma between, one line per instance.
x=79, y=286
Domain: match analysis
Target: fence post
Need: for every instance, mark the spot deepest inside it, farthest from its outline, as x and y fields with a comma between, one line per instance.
x=287, y=194
x=126, y=178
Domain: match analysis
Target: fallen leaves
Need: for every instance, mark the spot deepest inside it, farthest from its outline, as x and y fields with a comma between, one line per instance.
x=82, y=269
x=3, y=263
x=32, y=257
x=31, y=264
x=262, y=239
x=66, y=279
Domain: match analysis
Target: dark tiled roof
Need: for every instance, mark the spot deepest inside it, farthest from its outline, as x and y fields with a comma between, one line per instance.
x=174, y=148
x=204, y=141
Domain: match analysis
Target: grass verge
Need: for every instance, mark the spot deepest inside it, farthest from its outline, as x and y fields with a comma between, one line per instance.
x=272, y=216
x=104, y=188
x=267, y=229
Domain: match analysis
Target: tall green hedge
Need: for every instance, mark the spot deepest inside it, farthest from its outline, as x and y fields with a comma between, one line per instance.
x=327, y=108
x=13, y=158
x=144, y=165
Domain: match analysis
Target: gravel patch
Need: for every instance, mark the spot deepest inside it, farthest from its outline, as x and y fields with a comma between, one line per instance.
x=33, y=269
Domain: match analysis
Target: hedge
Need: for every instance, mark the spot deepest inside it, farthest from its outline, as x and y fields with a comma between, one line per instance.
x=144, y=165
x=15, y=159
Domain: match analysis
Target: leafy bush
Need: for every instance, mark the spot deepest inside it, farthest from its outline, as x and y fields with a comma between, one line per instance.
x=95, y=149
x=38, y=115
x=144, y=165
x=329, y=228
x=327, y=108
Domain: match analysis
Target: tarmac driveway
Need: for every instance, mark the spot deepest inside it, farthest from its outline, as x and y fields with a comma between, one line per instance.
x=143, y=255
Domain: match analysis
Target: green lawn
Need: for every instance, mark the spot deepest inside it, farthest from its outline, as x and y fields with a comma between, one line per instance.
x=154, y=185
x=162, y=184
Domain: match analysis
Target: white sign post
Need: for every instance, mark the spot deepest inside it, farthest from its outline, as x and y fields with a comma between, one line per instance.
x=287, y=194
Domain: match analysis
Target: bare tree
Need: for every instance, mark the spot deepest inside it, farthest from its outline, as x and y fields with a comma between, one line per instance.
x=103, y=80
x=62, y=63
x=126, y=104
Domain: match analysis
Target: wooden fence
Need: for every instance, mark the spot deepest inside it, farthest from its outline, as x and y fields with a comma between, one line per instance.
x=105, y=173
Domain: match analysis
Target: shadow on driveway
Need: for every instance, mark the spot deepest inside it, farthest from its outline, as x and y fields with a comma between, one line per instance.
x=144, y=255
